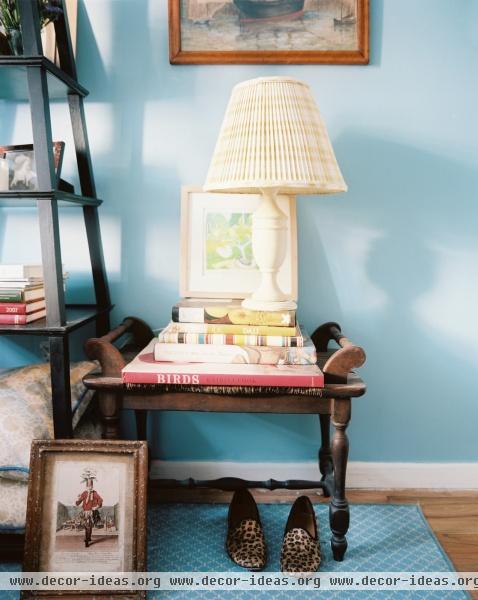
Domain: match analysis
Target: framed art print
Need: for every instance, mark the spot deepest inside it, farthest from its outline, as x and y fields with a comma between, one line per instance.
x=269, y=31
x=86, y=510
x=216, y=245
x=21, y=165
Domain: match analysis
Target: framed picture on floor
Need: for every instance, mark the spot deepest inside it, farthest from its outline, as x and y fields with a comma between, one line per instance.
x=216, y=245
x=86, y=510
x=269, y=31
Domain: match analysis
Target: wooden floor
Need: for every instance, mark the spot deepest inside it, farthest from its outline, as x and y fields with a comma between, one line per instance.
x=453, y=515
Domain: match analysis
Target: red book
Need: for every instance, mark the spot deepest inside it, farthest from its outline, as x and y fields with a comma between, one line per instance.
x=20, y=308
x=144, y=369
x=22, y=319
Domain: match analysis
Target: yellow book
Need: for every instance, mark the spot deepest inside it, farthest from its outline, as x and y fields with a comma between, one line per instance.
x=228, y=312
x=209, y=328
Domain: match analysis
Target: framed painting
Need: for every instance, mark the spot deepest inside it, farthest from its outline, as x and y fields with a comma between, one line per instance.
x=269, y=31
x=86, y=511
x=216, y=245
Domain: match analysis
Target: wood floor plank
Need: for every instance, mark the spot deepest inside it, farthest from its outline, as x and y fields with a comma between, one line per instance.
x=463, y=546
x=453, y=524
x=443, y=509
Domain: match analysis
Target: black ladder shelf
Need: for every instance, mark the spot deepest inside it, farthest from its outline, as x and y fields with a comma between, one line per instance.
x=37, y=79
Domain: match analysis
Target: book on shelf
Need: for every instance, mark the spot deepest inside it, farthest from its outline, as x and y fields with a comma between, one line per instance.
x=228, y=312
x=226, y=354
x=230, y=329
x=21, y=308
x=21, y=283
x=31, y=282
x=171, y=336
x=145, y=370
x=22, y=319
x=20, y=271
x=22, y=295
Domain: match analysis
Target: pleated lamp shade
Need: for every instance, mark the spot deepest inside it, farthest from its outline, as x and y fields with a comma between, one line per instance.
x=273, y=136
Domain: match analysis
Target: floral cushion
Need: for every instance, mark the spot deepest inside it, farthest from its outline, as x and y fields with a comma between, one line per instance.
x=26, y=412
x=13, y=494
x=13, y=505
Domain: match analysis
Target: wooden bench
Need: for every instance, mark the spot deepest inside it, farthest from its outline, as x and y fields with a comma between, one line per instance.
x=333, y=402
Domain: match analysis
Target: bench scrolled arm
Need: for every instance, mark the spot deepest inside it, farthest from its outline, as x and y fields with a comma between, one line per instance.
x=108, y=355
x=341, y=362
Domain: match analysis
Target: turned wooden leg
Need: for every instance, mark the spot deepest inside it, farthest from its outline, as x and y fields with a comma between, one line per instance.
x=110, y=411
x=325, y=452
x=325, y=455
x=339, y=508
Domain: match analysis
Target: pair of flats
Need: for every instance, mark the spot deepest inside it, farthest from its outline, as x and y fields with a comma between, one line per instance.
x=245, y=542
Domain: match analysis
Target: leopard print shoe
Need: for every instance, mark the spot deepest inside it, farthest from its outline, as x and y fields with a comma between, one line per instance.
x=245, y=543
x=300, y=547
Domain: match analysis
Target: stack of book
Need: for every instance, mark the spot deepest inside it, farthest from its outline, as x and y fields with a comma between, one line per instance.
x=22, y=294
x=218, y=342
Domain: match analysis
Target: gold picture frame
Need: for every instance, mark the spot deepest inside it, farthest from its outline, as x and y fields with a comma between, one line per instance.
x=236, y=32
x=66, y=477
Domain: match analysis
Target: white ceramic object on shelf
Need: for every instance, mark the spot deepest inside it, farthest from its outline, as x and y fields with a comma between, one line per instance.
x=3, y=175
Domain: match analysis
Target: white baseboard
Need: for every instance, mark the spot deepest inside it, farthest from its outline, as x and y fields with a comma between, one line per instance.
x=364, y=475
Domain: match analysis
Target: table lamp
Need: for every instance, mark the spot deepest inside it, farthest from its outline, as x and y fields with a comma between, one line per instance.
x=272, y=141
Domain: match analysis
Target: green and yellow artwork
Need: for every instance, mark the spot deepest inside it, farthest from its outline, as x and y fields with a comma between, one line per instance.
x=228, y=241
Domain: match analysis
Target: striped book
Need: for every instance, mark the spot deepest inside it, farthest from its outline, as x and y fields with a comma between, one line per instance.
x=171, y=336
x=227, y=354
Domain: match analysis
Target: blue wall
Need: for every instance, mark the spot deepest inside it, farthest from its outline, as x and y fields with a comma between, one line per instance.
x=395, y=260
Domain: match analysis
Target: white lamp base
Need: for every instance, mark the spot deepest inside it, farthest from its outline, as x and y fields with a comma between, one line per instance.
x=269, y=247
x=252, y=304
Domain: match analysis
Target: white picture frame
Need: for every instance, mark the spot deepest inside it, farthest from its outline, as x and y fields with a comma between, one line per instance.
x=205, y=217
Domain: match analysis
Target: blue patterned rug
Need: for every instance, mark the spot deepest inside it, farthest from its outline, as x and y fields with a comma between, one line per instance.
x=190, y=537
